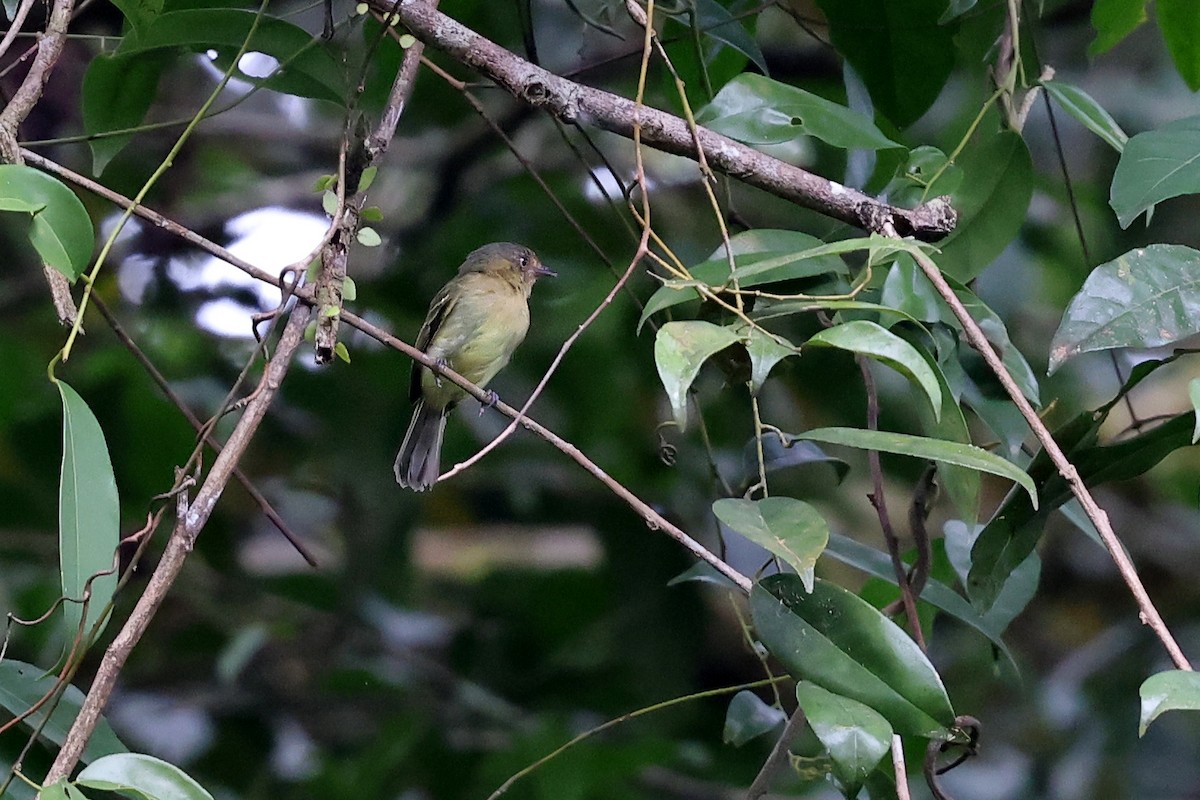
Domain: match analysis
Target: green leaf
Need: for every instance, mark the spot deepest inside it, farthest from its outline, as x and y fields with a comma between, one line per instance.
x=145, y=776
x=1155, y=166
x=349, y=289
x=372, y=214
x=765, y=353
x=1147, y=297
x=1113, y=21
x=1179, y=21
x=936, y=593
x=1080, y=105
x=715, y=21
x=960, y=483
x=61, y=230
x=789, y=529
x=329, y=202
x=908, y=291
x=1012, y=533
x=367, y=178
x=1020, y=586
x=991, y=202
x=703, y=572
x=55, y=791
x=307, y=68
x=140, y=13
x=923, y=175
x=776, y=256
x=117, y=93
x=369, y=237
x=749, y=717
x=757, y=110
x=884, y=39
x=341, y=352
x=22, y=685
x=871, y=340
x=956, y=9
x=1174, y=690
x=89, y=514
x=964, y=455
x=843, y=644
x=1194, y=396
x=856, y=736
x=680, y=349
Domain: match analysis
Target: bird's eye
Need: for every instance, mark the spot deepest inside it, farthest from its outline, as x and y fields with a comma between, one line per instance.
x=524, y=260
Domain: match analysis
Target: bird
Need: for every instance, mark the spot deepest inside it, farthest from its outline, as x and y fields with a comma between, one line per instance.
x=473, y=326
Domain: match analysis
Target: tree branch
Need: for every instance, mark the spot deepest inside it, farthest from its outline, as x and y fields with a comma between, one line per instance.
x=1148, y=613
x=582, y=105
x=189, y=522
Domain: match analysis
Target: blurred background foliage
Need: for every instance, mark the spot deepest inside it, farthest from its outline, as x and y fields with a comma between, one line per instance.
x=448, y=640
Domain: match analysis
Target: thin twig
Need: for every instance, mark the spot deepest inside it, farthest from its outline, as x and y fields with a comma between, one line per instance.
x=878, y=500
x=898, y=767
x=160, y=381
x=779, y=756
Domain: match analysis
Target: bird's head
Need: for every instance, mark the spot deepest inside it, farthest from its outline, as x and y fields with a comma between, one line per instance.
x=508, y=260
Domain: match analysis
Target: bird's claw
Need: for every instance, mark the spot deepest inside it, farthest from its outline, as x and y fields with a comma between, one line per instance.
x=440, y=363
x=489, y=401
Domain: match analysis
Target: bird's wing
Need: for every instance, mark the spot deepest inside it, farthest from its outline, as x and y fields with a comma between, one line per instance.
x=438, y=310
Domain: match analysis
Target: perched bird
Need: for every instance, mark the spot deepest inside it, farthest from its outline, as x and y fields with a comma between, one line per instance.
x=473, y=326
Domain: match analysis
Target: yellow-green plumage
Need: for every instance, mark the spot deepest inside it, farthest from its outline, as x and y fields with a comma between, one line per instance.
x=474, y=324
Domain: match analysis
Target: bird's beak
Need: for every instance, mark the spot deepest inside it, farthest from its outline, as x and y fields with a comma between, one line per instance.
x=542, y=270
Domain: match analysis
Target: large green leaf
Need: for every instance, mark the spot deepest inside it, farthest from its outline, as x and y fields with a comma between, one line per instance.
x=308, y=69
x=22, y=685
x=760, y=256
x=1012, y=533
x=961, y=484
x=117, y=93
x=89, y=518
x=1174, y=690
x=145, y=776
x=1179, y=21
x=139, y=13
x=789, y=529
x=61, y=230
x=907, y=290
x=884, y=40
x=937, y=594
x=991, y=202
x=758, y=110
x=715, y=21
x=1155, y=166
x=963, y=455
x=856, y=736
x=1080, y=105
x=1113, y=21
x=1147, y=297
x=871, y=340
x=843, y=644
x=680, y=349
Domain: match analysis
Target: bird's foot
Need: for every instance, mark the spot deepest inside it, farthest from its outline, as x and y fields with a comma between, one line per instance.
x=440, y=363
x=491, y=400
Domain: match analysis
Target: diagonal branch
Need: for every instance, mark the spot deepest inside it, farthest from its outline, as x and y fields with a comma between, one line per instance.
x=190, y=521
x=577, y=104
x=975, y=335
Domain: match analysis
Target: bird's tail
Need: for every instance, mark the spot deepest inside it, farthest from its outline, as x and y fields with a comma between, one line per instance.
x=418, y=464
